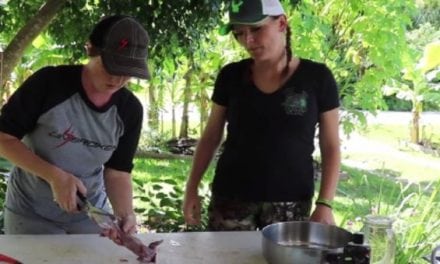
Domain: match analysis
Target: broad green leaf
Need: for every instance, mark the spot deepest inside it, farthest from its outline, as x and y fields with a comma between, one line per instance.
x=431, y=56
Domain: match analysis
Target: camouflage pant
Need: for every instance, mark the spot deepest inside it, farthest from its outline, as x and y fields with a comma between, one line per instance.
x=227, y=214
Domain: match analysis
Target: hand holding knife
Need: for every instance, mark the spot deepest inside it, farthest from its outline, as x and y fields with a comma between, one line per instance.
x=102, y=218
x=108, y=221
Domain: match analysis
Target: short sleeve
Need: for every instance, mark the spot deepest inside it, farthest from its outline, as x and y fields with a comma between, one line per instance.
x=229, y=79
x=220, y=94
x=131, y=112
x=22, y=110
x=328, y=96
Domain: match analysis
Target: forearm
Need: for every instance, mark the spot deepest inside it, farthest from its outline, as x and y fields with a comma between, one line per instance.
x=12, y=149
x=330, y=166
x=202, y=158
x=120, y=191
x=330, y=153
x=207, y=146
x=330, y=174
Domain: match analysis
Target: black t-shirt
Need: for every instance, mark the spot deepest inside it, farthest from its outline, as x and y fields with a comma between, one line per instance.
x=270, y=137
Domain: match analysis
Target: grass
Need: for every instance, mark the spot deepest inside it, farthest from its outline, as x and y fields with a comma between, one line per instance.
x=393, y=133
x=159, y=189
x=385, y=148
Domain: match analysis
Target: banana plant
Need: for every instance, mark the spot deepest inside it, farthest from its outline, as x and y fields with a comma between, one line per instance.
x=419, y=81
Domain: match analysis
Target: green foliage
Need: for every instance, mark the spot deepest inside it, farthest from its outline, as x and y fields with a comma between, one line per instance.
x=16, y=13
x=418, y=225
x=420, y=58
x=428, y=12
x=187, y=20
x=395, y=104
x=361, y=54
x=414, y=208
x=159, y=188
x=152, y=139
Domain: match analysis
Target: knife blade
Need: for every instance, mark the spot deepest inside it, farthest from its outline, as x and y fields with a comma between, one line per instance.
x=102, y=218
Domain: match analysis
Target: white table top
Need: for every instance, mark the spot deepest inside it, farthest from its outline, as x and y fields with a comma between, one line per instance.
x=177, y=248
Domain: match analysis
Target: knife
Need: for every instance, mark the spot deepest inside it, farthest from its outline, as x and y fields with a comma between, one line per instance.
x=106, y=220
x=102, y=218
x=8, y=259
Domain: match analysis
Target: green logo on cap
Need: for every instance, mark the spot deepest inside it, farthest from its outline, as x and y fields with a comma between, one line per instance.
x=236, y=6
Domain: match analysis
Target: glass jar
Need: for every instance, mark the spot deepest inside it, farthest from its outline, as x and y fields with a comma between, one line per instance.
x=379, y=235
x=435, y=255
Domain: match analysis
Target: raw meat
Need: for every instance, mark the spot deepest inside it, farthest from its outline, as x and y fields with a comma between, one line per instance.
x=146, y=254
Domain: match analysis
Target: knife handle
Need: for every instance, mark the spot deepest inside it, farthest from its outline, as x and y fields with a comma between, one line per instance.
x=8, y=259
x=83, y=200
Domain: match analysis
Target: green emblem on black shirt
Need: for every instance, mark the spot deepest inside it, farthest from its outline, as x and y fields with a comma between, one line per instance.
x=295, y=103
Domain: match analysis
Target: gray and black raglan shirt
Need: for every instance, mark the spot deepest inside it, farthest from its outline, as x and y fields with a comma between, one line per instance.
x=52, y=115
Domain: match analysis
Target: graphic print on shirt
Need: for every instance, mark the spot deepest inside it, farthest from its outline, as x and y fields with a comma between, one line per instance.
x=69, y=137
x=295, y=103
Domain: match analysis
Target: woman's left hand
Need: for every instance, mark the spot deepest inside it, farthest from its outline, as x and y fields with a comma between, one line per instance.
x=127, y=225
x=323, y=214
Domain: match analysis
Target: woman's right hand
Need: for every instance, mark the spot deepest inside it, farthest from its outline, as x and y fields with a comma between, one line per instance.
x=64, y=187
x=192, y=207
x=204, y=153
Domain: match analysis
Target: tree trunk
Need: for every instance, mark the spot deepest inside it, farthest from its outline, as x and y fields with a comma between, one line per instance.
x=161, y=156
x=204, y=107
x=186, y=101
x=15, y=49
x=204, y=101
x=153, y=113
x=415, y=124
x=173, y=122
x=2, y=91
x=173, y=110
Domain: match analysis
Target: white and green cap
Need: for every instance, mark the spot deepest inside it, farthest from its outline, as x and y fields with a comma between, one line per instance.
x=250, y=12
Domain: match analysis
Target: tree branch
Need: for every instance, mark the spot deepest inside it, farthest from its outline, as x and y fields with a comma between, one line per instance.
x=14, y=51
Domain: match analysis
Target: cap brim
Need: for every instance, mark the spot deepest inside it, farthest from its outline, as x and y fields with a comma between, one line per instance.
x=252, y=21
x=123, y=66
x=225, y=29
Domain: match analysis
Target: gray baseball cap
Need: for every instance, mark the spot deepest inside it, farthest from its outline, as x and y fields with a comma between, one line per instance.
x=250, y=12
x=122, y=43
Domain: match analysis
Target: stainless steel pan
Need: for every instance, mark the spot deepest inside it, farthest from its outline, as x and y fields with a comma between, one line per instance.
x=301, y=242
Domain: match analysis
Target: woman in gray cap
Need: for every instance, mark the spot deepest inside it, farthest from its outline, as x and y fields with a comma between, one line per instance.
x=75, y=128
x=272, y=103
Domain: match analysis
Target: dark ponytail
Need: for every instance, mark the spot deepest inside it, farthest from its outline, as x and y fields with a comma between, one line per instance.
x=288, y=50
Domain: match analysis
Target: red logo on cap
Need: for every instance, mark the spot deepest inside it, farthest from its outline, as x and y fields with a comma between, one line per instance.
x=123, y=43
